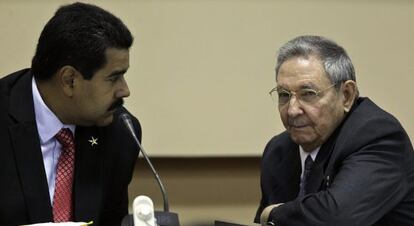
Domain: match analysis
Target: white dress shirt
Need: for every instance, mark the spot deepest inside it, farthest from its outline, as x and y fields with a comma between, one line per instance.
x=48, y=125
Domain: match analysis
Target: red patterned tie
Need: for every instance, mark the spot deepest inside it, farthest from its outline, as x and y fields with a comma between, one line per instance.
x=62, y=200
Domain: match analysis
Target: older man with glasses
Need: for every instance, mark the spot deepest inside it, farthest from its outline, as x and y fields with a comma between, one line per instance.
x=342, y=160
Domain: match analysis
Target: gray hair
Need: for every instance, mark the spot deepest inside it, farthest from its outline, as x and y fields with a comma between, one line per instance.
x=334, y=58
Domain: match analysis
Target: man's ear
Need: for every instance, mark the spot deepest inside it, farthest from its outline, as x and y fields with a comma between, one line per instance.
x=350, y=92
x=66, y=76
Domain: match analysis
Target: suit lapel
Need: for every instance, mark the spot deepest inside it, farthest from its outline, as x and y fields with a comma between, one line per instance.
x=295, y=169
x=317, y=175
x=88, y=174
x=289, y=175
x=29, y=159
x=315, y=179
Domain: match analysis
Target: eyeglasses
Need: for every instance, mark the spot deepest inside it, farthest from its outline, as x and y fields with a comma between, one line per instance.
x=308, y=96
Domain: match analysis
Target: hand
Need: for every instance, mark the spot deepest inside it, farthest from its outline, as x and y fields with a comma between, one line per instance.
x=264, y=217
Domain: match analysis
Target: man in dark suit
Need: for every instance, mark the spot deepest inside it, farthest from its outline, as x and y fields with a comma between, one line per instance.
x=64, y=154
x=342, y=160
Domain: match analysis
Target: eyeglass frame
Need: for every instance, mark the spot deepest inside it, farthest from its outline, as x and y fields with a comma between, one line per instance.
x=291, y=93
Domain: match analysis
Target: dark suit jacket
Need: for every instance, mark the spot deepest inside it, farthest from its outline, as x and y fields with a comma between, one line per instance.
x=363, y=175
x=102, y=172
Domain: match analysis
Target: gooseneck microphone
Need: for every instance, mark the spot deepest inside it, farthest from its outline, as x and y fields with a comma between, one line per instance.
x=128, y=123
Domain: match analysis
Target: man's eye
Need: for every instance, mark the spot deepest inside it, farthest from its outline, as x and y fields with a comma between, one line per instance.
x=283, y=94
x=113, y=79
x=308, y=93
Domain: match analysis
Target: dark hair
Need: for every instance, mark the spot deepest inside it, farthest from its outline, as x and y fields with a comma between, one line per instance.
x=78, y=35
x=334, y=58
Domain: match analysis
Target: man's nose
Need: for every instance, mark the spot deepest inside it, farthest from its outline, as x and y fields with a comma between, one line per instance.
x=123, y=90
x=294, y=106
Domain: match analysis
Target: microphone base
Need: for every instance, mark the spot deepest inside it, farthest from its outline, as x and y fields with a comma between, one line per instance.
x=163, y=219
x=166, y=218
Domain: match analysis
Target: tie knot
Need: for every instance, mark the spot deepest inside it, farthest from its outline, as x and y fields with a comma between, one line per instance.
x=65, y=137
x=308, y=162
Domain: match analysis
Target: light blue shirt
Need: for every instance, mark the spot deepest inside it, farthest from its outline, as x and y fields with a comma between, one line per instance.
x=48, y=125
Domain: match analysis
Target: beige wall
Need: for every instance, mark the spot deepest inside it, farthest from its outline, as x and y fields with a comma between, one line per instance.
x=199, y=77
x=201, y=69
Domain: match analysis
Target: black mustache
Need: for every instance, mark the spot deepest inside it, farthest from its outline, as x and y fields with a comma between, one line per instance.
x=117, y=104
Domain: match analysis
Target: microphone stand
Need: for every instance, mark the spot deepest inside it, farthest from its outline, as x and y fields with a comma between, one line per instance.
x=164, y=218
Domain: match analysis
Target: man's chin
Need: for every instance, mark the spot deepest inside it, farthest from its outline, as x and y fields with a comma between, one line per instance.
x=308, y=143
x=104, y=121
x=301, y=138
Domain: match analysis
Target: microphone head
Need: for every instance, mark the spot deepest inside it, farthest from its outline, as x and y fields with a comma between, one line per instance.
x=125, y=117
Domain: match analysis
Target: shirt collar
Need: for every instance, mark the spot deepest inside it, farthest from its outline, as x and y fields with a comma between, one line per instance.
x=48, y=124
x=304, y=154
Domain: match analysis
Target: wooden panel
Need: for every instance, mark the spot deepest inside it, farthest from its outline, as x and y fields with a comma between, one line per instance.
x=202, y=190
